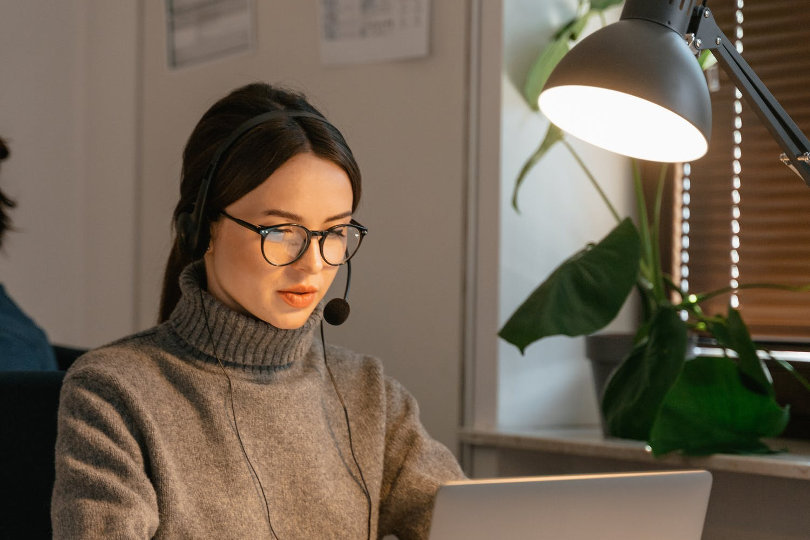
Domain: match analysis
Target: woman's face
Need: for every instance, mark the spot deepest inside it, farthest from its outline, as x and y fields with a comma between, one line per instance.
x=306, y=190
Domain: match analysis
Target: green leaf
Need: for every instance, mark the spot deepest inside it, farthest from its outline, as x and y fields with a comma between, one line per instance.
x=709, y=409
x=570, y=28
x=732, y=333
x=581, y=295
x=574, y=28
x=542, y=68
x=556, y=49
x=604, y=4
x=635, y=391
x=553, y=136
x=706, y=59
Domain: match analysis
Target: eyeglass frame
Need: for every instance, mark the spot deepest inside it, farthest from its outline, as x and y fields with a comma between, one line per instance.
x=264, y=231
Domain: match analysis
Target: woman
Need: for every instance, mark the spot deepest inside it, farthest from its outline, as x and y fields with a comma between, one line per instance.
x=231, y=418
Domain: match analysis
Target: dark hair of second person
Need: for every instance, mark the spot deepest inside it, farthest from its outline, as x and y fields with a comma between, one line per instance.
x=5, y=201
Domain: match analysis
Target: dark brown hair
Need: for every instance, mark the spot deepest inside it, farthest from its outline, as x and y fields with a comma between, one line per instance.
x=5, y=202
x=254, y=158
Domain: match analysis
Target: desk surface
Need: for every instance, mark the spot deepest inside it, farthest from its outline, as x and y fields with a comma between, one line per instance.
x=793, y=463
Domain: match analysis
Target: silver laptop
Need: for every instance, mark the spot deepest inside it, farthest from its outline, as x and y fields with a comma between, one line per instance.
x=627, y=506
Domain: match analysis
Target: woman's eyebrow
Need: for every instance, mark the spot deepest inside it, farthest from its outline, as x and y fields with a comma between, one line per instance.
x=344, y=215
x=297, y=219
x=282, y=214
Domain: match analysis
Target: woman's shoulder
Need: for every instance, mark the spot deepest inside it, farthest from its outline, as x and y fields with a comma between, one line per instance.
x=349, y=360
x=117, y=358
x=364, y=369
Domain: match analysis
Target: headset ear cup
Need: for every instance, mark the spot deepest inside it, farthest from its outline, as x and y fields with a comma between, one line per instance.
x=203, y=239
x=186, y=232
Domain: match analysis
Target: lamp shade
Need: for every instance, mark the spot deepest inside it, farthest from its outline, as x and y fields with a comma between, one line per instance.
x=634, y=88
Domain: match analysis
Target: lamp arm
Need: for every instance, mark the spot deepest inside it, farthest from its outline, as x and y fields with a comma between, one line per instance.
x=796, y=147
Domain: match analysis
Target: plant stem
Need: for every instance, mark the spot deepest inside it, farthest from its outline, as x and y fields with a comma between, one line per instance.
x=655, y=235
x=651, y=266
x=671, y=286
x=698, y=298
x=593, y=181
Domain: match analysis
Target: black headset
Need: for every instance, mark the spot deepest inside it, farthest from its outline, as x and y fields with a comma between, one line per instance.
x=192, y=226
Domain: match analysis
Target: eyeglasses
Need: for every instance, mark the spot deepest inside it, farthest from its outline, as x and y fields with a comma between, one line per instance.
x=286, y=243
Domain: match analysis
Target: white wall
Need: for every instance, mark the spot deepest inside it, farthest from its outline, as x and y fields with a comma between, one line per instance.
x=560, y=212
x=40, y=103
x=67, y=108
x=97, y=123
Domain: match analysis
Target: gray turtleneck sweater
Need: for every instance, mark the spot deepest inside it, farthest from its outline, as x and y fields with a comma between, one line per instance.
x=148, y=447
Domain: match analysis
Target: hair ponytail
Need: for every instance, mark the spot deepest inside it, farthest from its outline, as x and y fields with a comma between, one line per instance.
x=170, y=293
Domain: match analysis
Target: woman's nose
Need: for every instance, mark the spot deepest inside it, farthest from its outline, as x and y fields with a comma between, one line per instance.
x=311, y=260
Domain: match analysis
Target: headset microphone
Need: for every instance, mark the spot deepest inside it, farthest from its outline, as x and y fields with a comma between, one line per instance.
x=337, y=310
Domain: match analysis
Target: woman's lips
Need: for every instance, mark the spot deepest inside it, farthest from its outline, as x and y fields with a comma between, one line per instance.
x=298, y=297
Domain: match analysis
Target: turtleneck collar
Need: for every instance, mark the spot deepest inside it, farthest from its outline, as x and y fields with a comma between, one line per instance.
x=241, y=341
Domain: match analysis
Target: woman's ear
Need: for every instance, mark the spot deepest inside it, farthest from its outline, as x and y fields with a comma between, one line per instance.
x=213, y=234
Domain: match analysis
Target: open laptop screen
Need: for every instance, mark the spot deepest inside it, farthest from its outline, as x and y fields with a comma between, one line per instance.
x=627, y=506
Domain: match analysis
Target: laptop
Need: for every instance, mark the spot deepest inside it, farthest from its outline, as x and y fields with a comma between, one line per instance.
x=629, y=506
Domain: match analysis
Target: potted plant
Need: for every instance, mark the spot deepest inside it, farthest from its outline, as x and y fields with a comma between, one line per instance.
x=698, y=405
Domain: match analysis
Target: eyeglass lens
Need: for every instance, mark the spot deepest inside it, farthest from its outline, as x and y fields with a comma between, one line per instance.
x=285, y=244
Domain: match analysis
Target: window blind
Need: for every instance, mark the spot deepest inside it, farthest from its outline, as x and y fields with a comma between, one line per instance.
x=739, y=215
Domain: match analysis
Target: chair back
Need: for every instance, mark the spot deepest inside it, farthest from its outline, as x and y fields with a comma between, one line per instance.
x=28, y=405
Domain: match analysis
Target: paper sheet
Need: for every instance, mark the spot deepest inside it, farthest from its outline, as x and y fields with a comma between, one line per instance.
x=201, y=30
x=361, y=31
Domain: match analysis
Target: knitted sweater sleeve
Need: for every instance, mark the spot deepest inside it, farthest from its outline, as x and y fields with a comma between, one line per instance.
x=101, y=488
x=415, y=466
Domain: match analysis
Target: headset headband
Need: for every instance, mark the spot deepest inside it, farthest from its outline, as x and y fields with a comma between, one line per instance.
x=190, y=225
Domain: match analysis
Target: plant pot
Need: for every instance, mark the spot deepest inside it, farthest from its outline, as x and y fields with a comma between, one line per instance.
x=790, y=392
x=606, y=352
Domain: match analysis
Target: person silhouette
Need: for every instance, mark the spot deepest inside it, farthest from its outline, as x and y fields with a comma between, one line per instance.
x=23, y=344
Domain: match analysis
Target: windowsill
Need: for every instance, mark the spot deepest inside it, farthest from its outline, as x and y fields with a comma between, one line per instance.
x=589, y=442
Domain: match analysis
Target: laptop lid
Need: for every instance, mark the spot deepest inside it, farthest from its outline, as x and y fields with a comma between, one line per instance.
x=626, y=506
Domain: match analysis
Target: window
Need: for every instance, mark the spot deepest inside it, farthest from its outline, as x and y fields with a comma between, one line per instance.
x=739, y=215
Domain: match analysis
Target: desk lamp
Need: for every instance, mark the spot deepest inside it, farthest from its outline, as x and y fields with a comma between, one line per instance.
x=635, y=88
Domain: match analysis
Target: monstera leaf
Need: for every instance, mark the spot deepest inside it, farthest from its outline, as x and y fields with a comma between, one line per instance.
x=553, y=136
x=731, y=333
x=542, y=68
x=710, y=409
x=720, y=404
x=583, y=294
x=634, y=393
x=560, y=44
